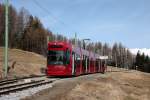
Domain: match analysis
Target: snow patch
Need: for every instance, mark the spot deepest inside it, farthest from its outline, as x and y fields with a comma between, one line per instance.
x=142, y=50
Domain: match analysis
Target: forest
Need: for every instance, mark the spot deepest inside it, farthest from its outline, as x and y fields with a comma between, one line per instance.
x=26, y=32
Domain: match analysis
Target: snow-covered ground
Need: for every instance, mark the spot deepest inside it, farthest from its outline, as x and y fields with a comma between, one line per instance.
x=142, y=50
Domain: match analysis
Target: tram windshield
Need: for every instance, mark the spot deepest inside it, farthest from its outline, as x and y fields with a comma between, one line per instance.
x=57, y=57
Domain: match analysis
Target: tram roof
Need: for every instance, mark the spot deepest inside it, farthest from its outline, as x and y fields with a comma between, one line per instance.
x=87, y=53
x=78, y=50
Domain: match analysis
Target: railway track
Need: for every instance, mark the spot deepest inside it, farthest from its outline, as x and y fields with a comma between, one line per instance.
x=20, y=87
x=10, y=81
x=14, y=85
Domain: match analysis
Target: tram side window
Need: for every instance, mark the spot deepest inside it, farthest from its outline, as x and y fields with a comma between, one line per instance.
x=91, y=62
x=67, y=60
x=77, y=59
x=84, y=61
x=87, y=62
x=97, y=64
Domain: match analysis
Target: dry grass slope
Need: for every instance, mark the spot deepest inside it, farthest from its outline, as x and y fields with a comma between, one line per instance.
x=23, y=63
x=116, y=85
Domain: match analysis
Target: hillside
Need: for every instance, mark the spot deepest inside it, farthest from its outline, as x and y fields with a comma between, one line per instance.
x=25, y=63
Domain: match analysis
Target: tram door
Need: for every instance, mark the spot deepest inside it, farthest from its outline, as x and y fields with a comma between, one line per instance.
x=73, y=64
x=76, y=64
x=84, y=64
x=97, y=65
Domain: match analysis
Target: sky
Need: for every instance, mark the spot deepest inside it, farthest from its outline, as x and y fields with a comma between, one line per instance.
x=125, y=21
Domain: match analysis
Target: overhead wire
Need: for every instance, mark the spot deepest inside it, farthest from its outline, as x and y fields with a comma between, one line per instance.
x=47, y=11
x=50, y=13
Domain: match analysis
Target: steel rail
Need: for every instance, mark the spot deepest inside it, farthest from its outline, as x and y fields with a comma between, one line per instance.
x=24, y=87
x=8, y=82
x=27, y=77
x=17, y=85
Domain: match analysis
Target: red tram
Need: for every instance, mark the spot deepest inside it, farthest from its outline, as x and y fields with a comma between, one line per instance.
x=65, y=59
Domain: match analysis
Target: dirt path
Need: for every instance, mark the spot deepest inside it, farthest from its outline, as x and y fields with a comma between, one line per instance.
x=124, y=85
